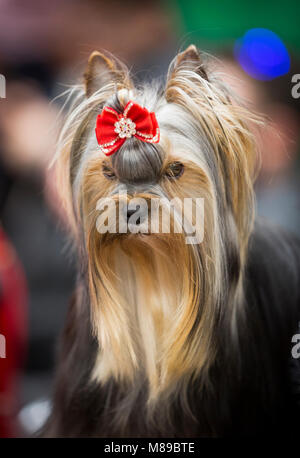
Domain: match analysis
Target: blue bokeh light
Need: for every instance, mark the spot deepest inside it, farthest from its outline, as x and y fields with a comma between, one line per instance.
x=262, y=54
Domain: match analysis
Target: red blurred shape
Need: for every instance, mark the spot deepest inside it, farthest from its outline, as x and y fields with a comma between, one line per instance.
x=13, y=330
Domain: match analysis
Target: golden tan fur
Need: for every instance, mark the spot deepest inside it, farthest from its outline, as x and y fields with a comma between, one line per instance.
x=156, y=301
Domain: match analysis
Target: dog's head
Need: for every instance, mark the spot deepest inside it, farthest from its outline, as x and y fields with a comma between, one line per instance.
x=156, y=295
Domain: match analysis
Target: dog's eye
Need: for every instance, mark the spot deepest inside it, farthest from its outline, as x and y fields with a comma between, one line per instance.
x=174, y=170
x=108, y=172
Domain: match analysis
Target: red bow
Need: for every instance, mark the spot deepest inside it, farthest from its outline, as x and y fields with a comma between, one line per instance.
x=112, y=128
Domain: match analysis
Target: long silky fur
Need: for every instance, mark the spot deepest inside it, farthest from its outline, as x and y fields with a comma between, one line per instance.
x=157, y=329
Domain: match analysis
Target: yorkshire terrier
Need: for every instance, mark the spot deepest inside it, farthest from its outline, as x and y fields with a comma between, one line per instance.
x=183, y=332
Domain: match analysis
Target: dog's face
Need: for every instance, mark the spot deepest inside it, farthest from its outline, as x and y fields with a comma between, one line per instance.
x=155, y=295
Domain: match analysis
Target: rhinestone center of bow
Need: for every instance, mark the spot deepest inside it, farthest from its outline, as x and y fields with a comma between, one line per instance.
x=125, y=128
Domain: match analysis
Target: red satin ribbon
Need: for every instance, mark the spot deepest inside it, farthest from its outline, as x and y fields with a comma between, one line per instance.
x=113, y=129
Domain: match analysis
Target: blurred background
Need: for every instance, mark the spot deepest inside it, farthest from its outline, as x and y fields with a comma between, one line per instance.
x=44, y=47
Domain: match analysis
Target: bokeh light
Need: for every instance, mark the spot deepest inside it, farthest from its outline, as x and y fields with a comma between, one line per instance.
x=262, y=54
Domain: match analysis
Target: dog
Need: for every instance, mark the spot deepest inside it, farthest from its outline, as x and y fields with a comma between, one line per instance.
x=168, y=334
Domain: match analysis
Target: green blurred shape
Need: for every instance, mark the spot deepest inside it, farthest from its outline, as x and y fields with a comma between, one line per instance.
x=217, y=24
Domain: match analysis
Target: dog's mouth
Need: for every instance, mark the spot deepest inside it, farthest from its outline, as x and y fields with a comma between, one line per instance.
x=133, y=236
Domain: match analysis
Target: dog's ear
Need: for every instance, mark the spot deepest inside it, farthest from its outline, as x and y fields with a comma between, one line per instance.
x=183, y=70
x=191, y=60
x=102, y=70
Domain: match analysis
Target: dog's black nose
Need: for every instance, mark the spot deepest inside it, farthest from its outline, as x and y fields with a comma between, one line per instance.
x=130, y=213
